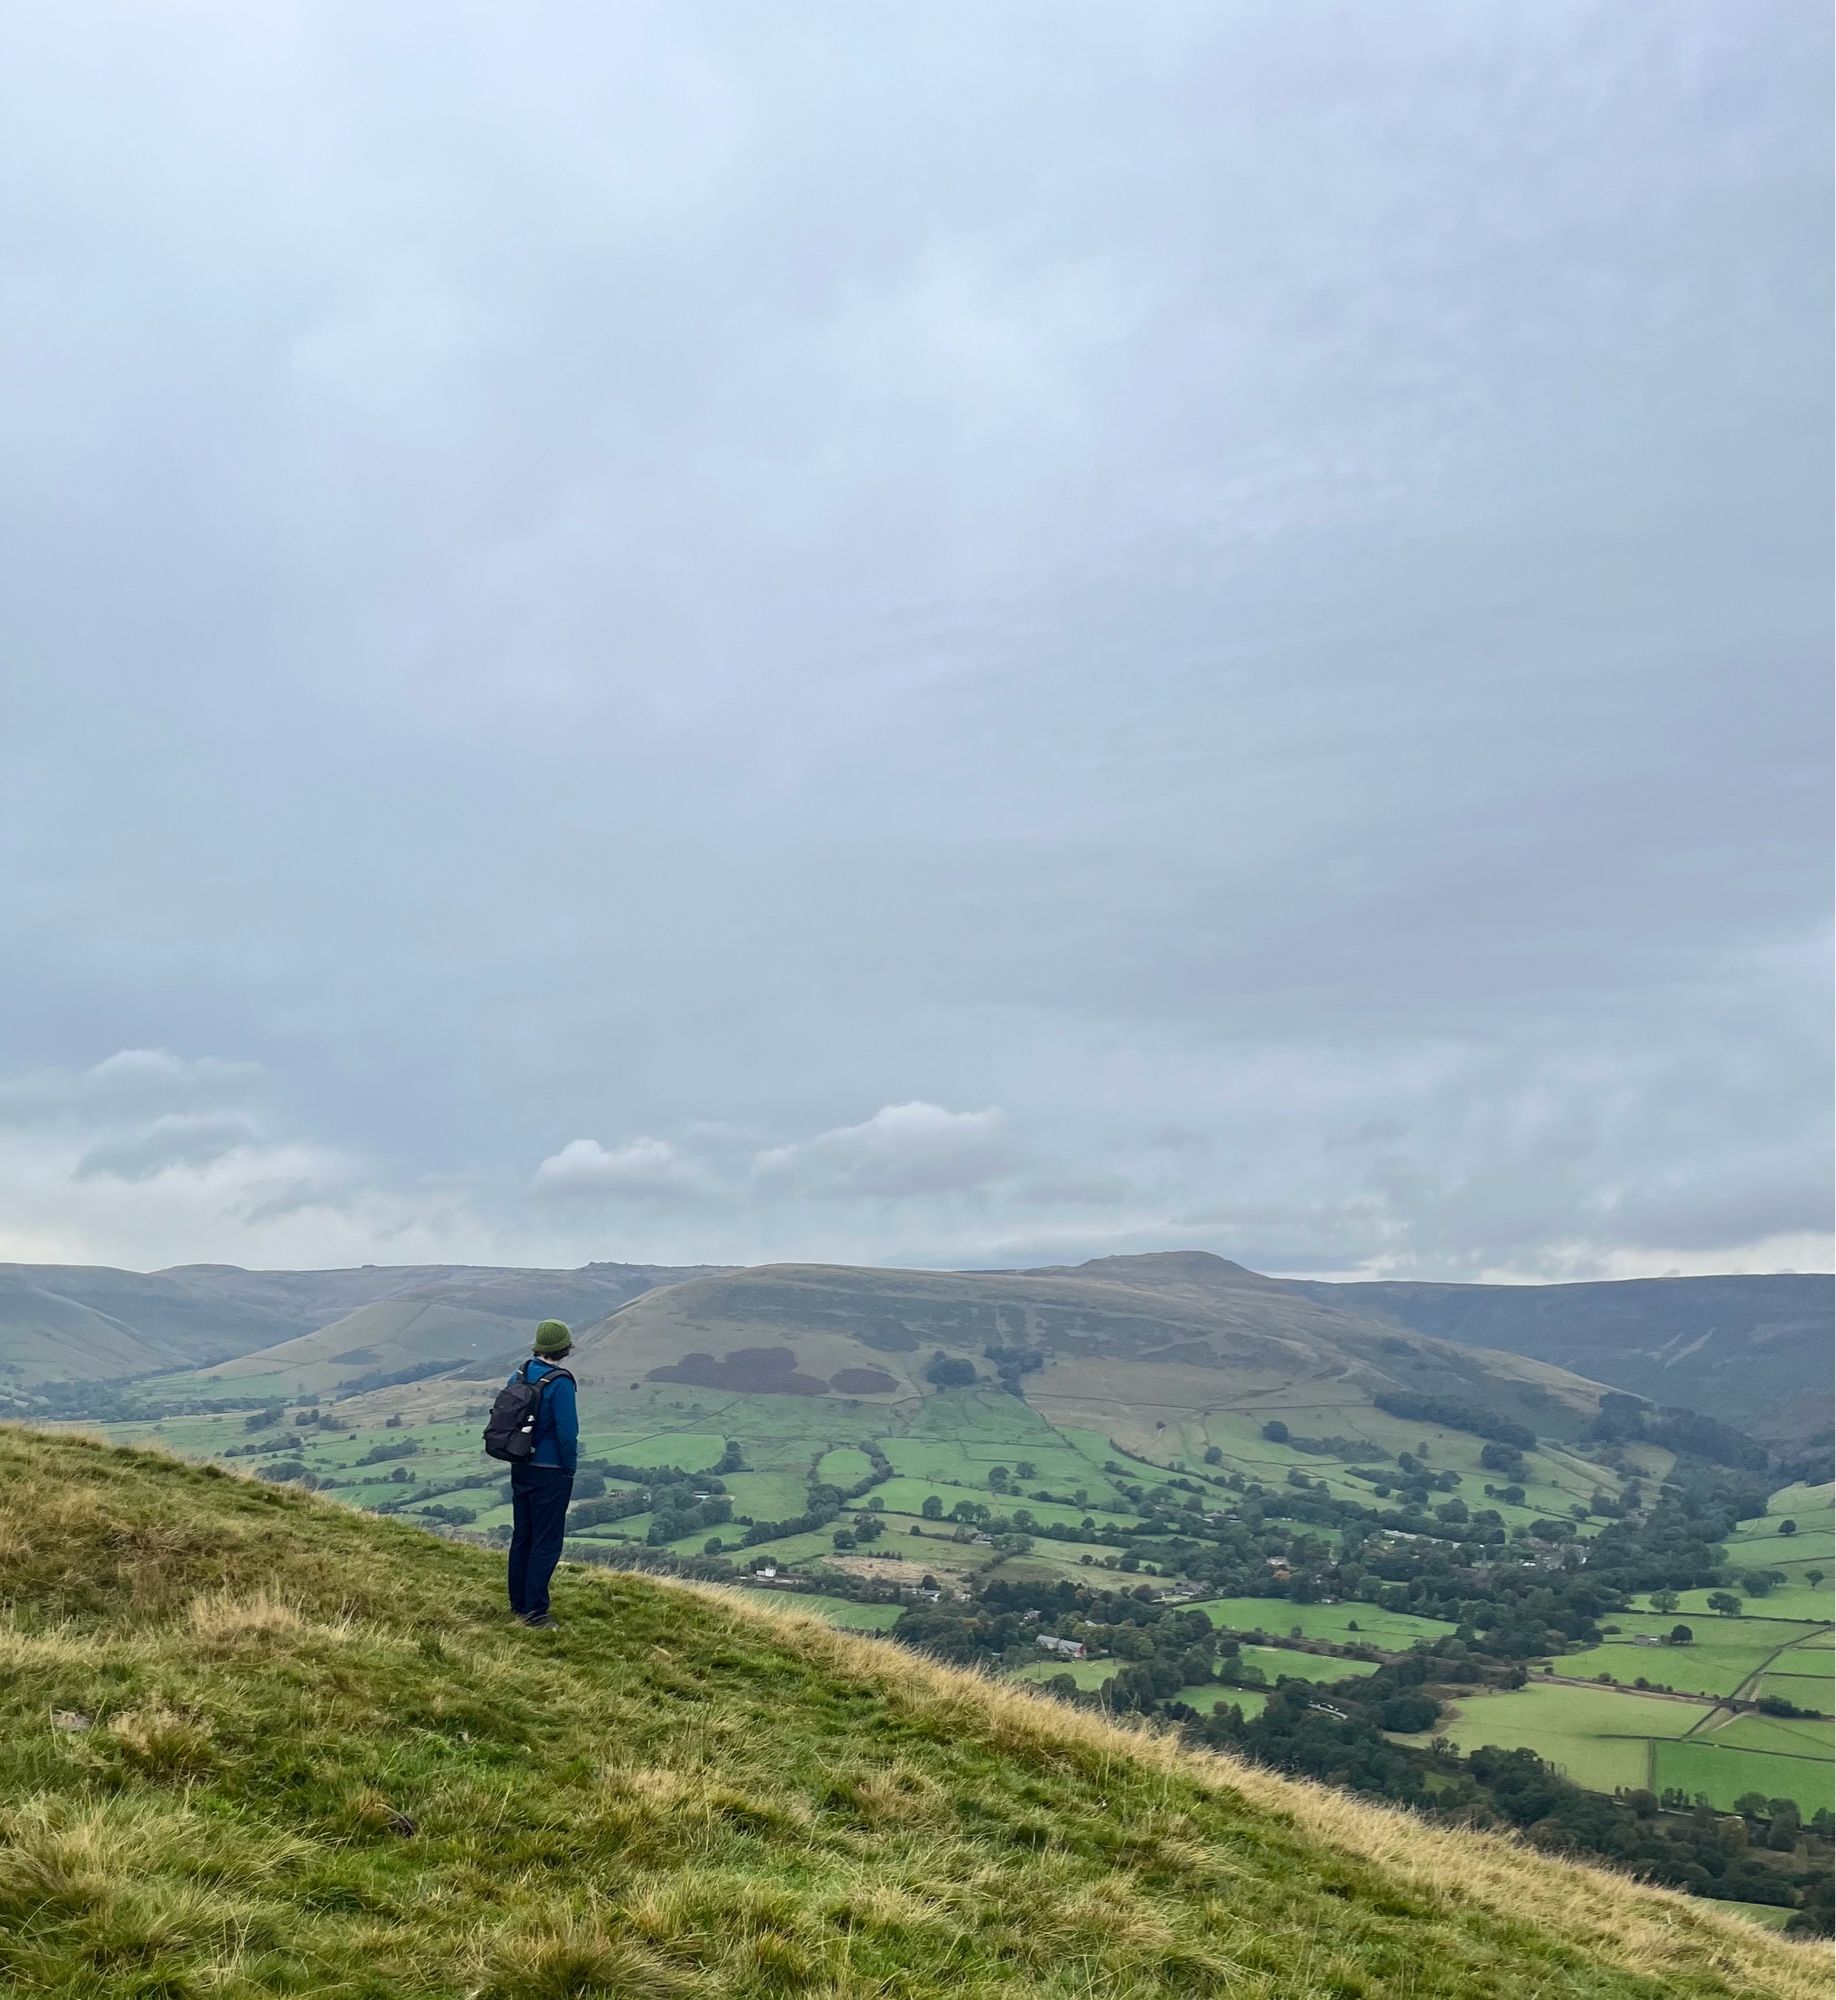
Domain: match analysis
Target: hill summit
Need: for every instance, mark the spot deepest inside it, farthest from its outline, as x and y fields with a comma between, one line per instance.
x=255, y=1743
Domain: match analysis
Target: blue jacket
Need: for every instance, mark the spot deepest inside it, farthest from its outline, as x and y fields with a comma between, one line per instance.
x=557, y=1433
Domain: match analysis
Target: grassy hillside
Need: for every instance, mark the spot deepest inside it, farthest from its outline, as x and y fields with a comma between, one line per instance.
x=86, y=1323
x=210, y=1330
x=1754, y=1351
x=1144, y=1336
x=255, y=1743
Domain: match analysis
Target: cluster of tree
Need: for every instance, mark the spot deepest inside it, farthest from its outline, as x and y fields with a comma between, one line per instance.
x=1277, y=1432
x=1630, y=1419
x=944, y=1371
x=391, y=1448
x=596, y=1511
x=394, y=1378
x=1011, y=1363
x=679, y=1512
x=1420, y=1407
x=288, y=1472
x=288, y=1441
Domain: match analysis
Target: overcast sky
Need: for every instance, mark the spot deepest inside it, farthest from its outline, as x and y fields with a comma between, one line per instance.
x=933, y=634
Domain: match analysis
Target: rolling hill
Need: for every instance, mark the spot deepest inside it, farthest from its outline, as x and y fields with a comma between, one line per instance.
x=255, y=1743
x=216, y=1329
x=1134, y=1340
x=1754, y=1351
x=1150, y=1335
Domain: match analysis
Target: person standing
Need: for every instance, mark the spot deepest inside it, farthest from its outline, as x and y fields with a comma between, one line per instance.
x=542, y=1484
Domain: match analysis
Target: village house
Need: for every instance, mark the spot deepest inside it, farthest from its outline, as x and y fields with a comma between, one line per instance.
x=1064, y=1649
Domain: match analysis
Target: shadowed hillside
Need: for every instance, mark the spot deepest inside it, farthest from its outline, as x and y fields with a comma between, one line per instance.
x=256, y=1744
x=1754, y=1351
x=282, y=1332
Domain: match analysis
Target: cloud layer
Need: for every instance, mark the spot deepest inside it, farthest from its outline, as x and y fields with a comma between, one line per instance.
x=619, y=623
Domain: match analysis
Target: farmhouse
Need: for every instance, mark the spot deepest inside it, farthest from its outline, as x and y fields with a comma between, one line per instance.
x=1064, y=1649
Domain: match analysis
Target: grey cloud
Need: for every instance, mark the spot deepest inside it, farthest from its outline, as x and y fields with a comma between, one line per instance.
x=180, y=1139
x=132, y=1083
x=1075, y=1190
x=1250, y=586
x=279, y=1200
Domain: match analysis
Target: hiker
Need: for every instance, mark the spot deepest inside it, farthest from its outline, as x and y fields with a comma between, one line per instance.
x=542, y=1470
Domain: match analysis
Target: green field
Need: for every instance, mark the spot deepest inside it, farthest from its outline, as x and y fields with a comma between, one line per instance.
x=1609, y=1739
x=1091, y=1674
x=1797, y=1603
x=1597, y=1737
x=846, y=1465
x=315, y=1757
x=1088, y=1674
x=1771, y=1915
x=1723, y=1655
x=1722, y=1772
x=841, y=1611
x=1554, y=1481
x=947, y=1446
x=901, y=1495
x=1279, y=1662
x=1389, y=1631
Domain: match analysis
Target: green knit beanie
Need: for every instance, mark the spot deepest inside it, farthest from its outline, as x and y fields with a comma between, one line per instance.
x=552, y=1337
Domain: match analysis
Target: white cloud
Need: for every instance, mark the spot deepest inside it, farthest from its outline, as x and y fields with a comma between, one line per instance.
x=639, y=1170
x=903, y=1149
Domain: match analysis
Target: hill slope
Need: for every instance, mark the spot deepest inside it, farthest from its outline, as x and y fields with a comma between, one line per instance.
x=1142, y=1335
x=1753, y=1351
x=253, y=1743
x=282, y=1332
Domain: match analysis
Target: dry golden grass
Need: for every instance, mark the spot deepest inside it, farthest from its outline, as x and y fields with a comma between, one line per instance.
x=311, y=1754
x=1644, y=1930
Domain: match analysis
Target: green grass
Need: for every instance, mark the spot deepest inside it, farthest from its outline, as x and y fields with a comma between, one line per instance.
x=841, y=1612
x=1723, y=1772
x=1810, y=1604
x=1554, y=1480
x=845, y=1465
x=1088, y=1674
x=903, y=1495
x=1790, y=1736
x=1724, y=1653
x=1280, y=1661
x=1597, y=1737
x=1771, y=1915
x=1388, y=1631
x=254, y=1744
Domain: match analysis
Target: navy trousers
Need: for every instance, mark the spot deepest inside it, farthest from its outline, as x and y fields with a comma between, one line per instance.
x=538, y=1497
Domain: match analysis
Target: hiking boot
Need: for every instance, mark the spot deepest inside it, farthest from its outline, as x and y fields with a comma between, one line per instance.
x=537, y=1620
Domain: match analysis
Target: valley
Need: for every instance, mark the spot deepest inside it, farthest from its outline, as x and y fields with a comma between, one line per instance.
x=1349, y=1548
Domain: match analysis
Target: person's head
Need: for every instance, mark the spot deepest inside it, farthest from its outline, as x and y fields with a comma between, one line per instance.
x=553, y=1342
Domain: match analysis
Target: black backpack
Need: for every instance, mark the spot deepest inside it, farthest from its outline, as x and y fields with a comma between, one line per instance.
x=510, y=1429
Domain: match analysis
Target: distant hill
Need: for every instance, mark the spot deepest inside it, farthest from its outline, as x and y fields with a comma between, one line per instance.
x=294, y=1332
x=1753, y=1351
x=255, y=1743
x=1129, y=1341
x=1143, y=1337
